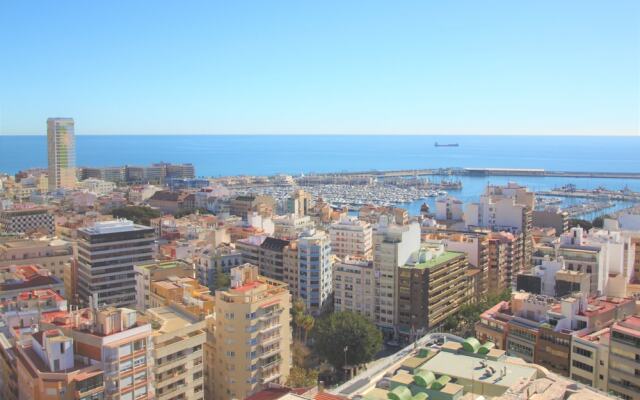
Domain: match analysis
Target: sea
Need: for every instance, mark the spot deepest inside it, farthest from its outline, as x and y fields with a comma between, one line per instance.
x=223, y=155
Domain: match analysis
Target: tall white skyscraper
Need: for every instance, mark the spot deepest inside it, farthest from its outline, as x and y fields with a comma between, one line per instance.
x=61, y=145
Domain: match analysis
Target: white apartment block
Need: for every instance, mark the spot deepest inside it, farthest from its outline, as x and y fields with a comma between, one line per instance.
x=97, y=186
x=291, y=226
x=351, y=237
x=393, y=247
x=449, y=209
x=315, y=282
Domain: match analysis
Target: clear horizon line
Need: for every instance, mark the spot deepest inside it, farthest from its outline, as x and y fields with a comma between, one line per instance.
x=637, y=134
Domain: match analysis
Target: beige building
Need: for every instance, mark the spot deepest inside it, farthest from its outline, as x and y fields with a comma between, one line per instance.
x=351, y=237
x=590, y=359
x=252, y=335
x=354, y=287
x=148, y=272
x=299, y=203
x=624, y=359
x=51, y=254
x=61, y=146
x=178, y=352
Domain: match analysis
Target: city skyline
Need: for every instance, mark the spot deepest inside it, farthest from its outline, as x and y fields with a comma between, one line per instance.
x=330, y=68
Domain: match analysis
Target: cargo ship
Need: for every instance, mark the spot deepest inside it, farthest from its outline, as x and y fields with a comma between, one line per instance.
x=447, y=145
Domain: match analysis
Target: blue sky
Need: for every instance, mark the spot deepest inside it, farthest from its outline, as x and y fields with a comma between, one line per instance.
x=253, y=67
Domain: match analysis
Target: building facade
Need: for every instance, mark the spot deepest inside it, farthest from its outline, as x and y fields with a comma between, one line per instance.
x=61, y=150
x=252, y=335
x=351, y=237
x=107, y=252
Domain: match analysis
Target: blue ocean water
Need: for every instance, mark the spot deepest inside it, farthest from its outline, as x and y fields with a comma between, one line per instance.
x=234, y=154
x=265, y=155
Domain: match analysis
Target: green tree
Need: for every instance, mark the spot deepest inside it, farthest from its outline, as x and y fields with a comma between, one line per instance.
x=584, y=224
x=598, y=222
x=298, y=314
x=302, y=378
x=307, y=324
x=222, y=280
x=346, y=336
x=137, y=214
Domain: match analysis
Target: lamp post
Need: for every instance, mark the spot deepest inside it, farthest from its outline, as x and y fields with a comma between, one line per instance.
x=346, y=348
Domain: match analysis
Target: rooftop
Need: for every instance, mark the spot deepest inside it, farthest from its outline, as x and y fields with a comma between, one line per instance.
x=115, y=226
x=170, y=319
x=469, y=368
x=440, y=259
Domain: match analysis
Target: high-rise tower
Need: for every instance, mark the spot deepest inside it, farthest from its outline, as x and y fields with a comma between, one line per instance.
x=61, y=145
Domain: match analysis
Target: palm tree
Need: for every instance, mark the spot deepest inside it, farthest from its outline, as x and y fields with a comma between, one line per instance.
x=298, y=316
x=307, y=324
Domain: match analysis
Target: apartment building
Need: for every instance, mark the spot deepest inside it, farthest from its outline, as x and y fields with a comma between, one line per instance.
x=590, y=359
x=61, y=150
x=271, y=261
x=148, y=272
x=624, y=358
x=243, y=205
x=51, y=254
x=299, y=203
x=393, y=247
x=27, y=220
x=252, y=335
x=506, y=208
x=97, y=186
x=17, y=319
x=432, y=285
x=268, y=253
x=476, y=246
x=449, y=209
x=290, y=226
x=107, y=252
x=505, y=260
x=315, y=263
x=551, y=218
x=215, y=261
x=354, y=287
x=17, y=279
x=178, y=353
x=351, y=237
x=601, y=254
x=87, y=354
x=541, y=329
x=48, y=368
x=194, y=303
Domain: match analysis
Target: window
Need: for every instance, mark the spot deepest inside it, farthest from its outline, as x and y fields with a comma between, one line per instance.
x=582, y=352
x=139, y=361
x=138, y=345
x=140, y=376
x=124, y=350
x=140, y=391
x=582, y=366
x=125, y=365
x=126, y=382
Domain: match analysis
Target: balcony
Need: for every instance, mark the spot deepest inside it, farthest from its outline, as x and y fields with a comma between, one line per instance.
x=272, y=376
x=270, y=352
x=269, y=328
